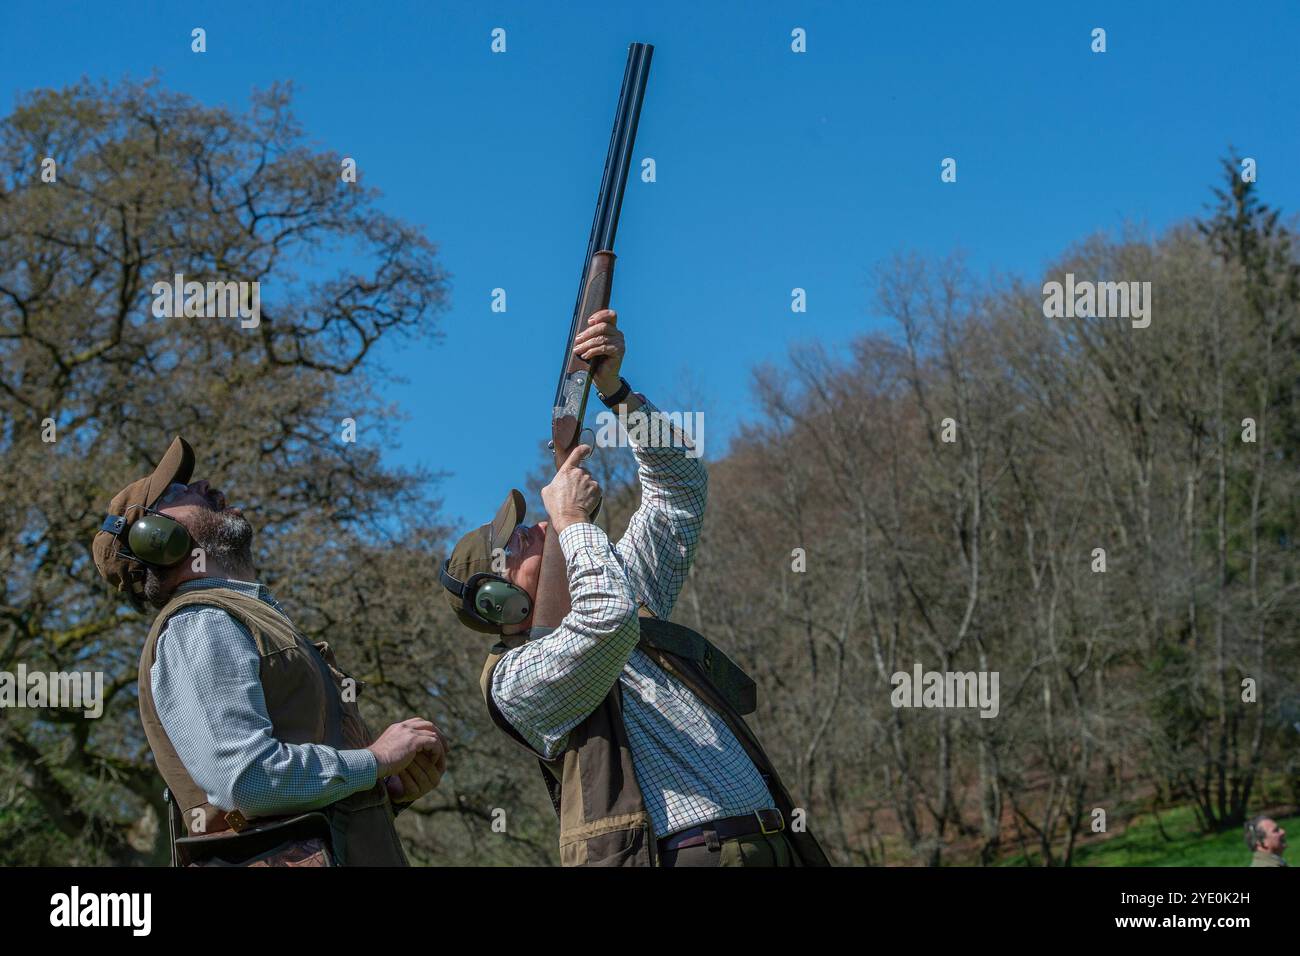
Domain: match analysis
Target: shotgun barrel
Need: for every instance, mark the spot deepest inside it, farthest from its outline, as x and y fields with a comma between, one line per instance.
x=596, y=279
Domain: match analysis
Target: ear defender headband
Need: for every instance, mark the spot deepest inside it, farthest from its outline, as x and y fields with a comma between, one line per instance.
x=153, y=539
x=489, y=597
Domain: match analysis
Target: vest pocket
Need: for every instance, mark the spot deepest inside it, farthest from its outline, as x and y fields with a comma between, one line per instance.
x=352, y=728
x=619, y=848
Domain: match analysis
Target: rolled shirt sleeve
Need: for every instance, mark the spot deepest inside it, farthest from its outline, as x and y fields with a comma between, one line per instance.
x=208, y=694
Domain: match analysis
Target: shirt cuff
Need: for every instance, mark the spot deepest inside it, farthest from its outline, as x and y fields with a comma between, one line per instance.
x=651, y=431
x=360, y=767
x=580, y=535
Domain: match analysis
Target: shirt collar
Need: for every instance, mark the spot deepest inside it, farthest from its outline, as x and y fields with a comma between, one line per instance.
x=251, y=588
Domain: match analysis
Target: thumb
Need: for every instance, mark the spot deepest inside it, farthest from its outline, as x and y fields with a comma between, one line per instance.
x=576, y=455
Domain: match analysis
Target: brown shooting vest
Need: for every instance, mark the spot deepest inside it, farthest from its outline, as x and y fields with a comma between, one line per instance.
x=603, y=817
x=306, y=702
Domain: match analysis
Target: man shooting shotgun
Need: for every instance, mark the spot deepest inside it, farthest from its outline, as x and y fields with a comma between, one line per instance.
x=636, y=721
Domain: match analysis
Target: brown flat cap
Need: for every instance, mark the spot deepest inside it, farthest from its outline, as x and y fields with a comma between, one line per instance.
x=177, y=465
x=473, y=555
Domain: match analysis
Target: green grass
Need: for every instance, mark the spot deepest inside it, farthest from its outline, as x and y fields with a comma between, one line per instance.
x=1142, y=845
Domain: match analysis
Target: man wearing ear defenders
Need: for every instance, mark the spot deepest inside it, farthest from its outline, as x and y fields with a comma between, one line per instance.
x=255, y=730
x=636, y=721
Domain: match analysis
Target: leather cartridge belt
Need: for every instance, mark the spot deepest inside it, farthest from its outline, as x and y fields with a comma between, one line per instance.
x=765, y=822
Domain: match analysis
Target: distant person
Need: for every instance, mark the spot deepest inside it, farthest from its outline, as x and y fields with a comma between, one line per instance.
x=1267, y=840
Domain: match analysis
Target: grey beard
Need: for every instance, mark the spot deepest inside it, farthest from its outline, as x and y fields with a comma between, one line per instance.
x=227, y=539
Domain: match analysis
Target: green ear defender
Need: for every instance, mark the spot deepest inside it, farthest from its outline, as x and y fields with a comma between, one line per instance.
x=489, y=597
x=501, y=602
x=159, y=540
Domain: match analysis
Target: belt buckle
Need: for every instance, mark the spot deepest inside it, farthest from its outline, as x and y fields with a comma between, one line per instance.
x=762, y=826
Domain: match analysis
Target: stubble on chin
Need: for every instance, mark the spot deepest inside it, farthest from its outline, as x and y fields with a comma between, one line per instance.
x=226, y=537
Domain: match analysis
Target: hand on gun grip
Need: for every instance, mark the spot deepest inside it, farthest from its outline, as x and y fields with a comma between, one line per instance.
x=572, y=495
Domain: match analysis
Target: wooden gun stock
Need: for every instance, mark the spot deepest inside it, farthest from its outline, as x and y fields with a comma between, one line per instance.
x=552, y=586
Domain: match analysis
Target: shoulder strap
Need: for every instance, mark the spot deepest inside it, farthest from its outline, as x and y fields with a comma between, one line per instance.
x=735, y=686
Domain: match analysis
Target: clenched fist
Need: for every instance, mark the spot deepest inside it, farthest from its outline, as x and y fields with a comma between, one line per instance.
x=573, y=494
x=421, y=775
x=398, y=745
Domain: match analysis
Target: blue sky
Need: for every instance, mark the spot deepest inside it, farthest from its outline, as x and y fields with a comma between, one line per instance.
x=775, y=170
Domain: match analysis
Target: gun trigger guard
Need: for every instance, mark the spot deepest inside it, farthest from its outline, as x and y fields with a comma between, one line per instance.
x=590, y=444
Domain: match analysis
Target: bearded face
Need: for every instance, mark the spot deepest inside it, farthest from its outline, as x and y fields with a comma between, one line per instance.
x=223, y=533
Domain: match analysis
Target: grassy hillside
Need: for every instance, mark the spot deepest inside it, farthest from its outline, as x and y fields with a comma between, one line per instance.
x=1143, y=844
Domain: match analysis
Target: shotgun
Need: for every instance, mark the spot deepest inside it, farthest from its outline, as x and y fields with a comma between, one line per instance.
x=594, y=285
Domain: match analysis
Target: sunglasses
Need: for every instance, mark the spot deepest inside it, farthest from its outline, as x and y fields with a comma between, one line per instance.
x=175, y=491
x=514, y=544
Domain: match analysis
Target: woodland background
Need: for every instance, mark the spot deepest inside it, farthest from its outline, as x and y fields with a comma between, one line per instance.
x=1120, y=690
